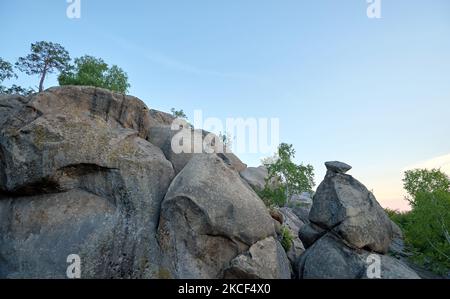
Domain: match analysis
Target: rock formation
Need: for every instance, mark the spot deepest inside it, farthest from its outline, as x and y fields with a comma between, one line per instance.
x=348, y=230
x=86, y=171
x=89, y=172
x=205, y=223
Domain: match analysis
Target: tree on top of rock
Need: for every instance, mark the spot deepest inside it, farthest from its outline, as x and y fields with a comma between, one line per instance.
x=45, y=58
x=92, y=71
x=286, y=178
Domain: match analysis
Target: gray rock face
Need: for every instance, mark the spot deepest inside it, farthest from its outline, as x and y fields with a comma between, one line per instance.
x=10, y=105
x=205, y=223
x=310, y=233
x=347, y=228
x=344, y=205
x=392, y=268
x=77, y=177
x=337, y=167
x=255, y=177
x=89, y=172
x=330, y=258
x=197, y=142
x=301, y=211
x=265, y=259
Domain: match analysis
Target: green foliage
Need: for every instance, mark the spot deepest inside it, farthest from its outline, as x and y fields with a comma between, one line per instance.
x=400, y=218
x=6, y=70
x=178, y=113
x=426, y=226
x=424, y=180
x=92, y=71
x=273, y=196
x=286, y=178
x=15, y=89
x=286, y=238
x=427, y=230
x=45, y=58
x=6, y=73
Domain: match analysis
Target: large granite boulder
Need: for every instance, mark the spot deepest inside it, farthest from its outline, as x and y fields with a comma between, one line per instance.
x=77, y=176
x=208, y=218
x=330, y=258
x=344, y=205
x=265, y=259
x=348, y=233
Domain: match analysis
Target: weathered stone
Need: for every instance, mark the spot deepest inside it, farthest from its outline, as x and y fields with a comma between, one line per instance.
x=200, y=142
x=344, y=205
x=63, y=143
x=337, y=167
x=330, y=258
x=301, y=211
x=276, y=215
x=255, y=177
x=205, y=223
x=10, y=105
x=392, y=268
x=310, y=233
x=264, y=260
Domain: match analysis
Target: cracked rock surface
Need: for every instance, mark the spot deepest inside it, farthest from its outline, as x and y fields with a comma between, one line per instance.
x=86, y=171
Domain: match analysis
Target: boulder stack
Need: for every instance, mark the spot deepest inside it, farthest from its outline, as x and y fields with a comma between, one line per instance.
x=90, y=172
x=347, y=229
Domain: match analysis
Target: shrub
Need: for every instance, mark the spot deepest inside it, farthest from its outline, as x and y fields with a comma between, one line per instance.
x=286, y=238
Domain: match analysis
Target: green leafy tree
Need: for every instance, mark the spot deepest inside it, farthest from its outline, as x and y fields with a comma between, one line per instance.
x=178, y=113
x=15, y=89
x=426, y=226
x=400, y=218
x=6, y=70
x=427, y=230
x=286, y=178
x=6, y=73
x=92, y=71
x=425, y=181
x=45, y=58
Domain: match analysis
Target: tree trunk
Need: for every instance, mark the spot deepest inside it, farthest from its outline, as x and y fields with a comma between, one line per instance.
x=41, y=83
x=44, y=73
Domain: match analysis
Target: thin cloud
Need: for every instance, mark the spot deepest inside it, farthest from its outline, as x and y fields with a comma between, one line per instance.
x=169, y=62
x=441, y=162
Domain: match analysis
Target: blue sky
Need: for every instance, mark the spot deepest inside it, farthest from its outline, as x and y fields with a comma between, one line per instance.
x=374, y=93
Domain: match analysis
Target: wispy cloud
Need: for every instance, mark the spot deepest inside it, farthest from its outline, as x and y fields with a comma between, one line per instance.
x=442, y=162
x=169, y=62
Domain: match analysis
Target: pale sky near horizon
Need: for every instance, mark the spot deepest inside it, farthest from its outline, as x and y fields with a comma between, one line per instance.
x=374, y=93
